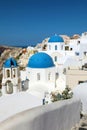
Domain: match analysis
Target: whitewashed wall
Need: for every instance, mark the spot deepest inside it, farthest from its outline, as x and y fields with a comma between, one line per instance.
x=56, y=116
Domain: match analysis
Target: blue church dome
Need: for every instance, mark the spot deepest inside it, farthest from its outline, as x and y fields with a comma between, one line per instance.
x=56, y=38
x=40, y=60
x=11, y=62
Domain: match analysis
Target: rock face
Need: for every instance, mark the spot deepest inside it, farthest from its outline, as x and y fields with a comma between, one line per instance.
x=2, y=49
x=75, y=36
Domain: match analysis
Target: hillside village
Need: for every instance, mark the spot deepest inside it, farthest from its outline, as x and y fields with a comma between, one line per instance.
x=71, y=46
x=55, y=66
x=69, y=55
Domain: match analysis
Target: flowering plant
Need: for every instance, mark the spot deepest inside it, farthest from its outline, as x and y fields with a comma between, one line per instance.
x=65, y=94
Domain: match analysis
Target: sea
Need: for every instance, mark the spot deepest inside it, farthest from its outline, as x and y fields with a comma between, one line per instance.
x=19, y=46
x=25, y=46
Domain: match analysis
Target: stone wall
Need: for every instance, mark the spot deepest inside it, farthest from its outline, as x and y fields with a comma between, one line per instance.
x=61, y=115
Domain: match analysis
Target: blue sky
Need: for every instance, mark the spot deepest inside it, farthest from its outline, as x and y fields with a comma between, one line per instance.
x=24, y=22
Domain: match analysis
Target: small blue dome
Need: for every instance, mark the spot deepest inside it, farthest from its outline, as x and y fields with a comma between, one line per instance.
x=56, y=38
x=40, y=60
x=11, y=62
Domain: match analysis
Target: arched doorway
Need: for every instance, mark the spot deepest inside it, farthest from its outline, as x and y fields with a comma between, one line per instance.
x=9, y=87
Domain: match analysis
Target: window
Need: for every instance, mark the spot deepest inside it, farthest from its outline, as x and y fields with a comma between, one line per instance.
x=49, y=47
x=66, y=48
x=78, y=42
x=38, y=76
x=61, y=47
x=71, y=49
x=55, y=47
x=14, y=73
x=49, y=76
x=85, y=33
x=8, y=73
x=57, y=75
x=55, y=58
x=77, y=53
x=64, y=71
x=79, y=82
x=85, y=53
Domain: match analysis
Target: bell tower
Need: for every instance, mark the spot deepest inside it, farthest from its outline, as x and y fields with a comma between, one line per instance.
x=11, y=82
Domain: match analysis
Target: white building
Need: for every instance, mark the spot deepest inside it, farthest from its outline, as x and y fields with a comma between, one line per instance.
x=55, y=43
x=75, y=74
x=79, y=46
x=83, y=45
x=74, y=46
x=11, y=82
x=41, y=73
x=59, y=51
x=55, y=48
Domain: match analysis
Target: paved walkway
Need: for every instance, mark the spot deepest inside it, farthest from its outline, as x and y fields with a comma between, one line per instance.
x=15, y=103
x=82, y=125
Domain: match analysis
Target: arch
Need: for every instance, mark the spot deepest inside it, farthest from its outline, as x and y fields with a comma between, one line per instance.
x=14, y=73
x=8, y=73
x=9, y=87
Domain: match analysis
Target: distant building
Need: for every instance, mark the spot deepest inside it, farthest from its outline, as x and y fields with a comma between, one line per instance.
x=11, y=82
x=55, y=48
x=83, y=45
x=75, y=75
x=60, y=51
x=55, y=43
x=79, y=45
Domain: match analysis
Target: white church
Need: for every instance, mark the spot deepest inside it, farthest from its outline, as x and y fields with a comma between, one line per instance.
x=41, y=73
x=11, y=81
x=55, y=48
